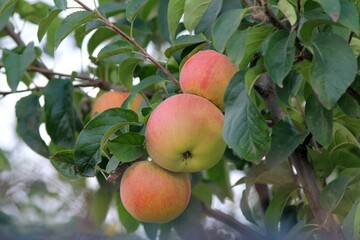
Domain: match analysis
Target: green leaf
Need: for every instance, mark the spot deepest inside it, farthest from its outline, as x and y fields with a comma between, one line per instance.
x=112, y=8
x=4, y=163
x=64, y=163
x=262, y=173
x=183, y=41
x=99, y=36
x=209, y=16
x=251, y=76
x=319, y=120
x=219, y=181
x=321, y=162
x=245, y=130
x=145, y=83
x=291, y=86
x=279, y=199
x=101, y=205
x=235, y=47
x=349, y=106
x=349, y=16
x=202, y=192
x=333, y=67
x=351, y=224
x=342, y=136
x=32, y=12
x=133, y=8
x=288, y=10
x=301, y=231
x=5, y=5
x=128, y=221
x=16, y=65
x=243, y=44
x=284, y=140
x=61, y=4
x=245, y=207
x=332, y=194
x=112, y=164
x=127, y=147
x=70, y=23
x=331, y=7
x=126, y=70
x=193, y=11
x=118, y=47
x=175, y=11
x=151, y=230
x=60, y=112
x=280, y=55
x=225, y=26
x=189, y=225
x=45, y=23
x=5, y=16
x=28, y=114
x=87, y=147
x=51, y=35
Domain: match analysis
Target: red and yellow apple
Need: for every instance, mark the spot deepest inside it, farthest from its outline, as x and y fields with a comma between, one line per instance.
x=207, y=74
x=152, y=194
x=113, y=99
x=184, y=134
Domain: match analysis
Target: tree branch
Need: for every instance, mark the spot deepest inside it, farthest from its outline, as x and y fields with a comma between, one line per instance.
x=305, y=173
x=272, y=18
x=102, y=84
x=244, y=230
x=132, y=41
x=89, y=84
x=352, y=92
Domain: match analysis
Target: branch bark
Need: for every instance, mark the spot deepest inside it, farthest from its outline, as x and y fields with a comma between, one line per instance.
x=352, y=92
x=244, y=230
x=88, y=81
x=305, y=173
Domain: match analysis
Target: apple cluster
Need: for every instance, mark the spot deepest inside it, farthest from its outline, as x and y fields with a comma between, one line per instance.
x=183, y=135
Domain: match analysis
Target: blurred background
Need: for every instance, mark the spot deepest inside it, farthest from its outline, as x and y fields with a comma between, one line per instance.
x=35, y=201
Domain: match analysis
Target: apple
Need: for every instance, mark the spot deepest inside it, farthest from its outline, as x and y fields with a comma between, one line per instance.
x=152, y=194
x=207, y=74
x=113, y=99
x=184, y=134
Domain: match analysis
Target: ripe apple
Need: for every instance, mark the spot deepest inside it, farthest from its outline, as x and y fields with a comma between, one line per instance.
x=184, y=134
x=152, y=194
x=113, y=99
x=207, y=74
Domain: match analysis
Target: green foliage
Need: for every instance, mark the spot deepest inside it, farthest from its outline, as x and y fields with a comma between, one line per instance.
x=28, y=114
x=60, y=115
x=245, y=130
x=16, y=64
x=92, y=139
x=308, y=111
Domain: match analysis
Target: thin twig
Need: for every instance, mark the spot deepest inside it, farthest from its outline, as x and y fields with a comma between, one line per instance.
x=132, y=41
x=272, y=18
x=352, y=92
x=34, y=89
x=102, y=84
x=248, y=3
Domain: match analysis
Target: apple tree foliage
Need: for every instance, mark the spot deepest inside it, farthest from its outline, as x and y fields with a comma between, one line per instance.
x=292, y=112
